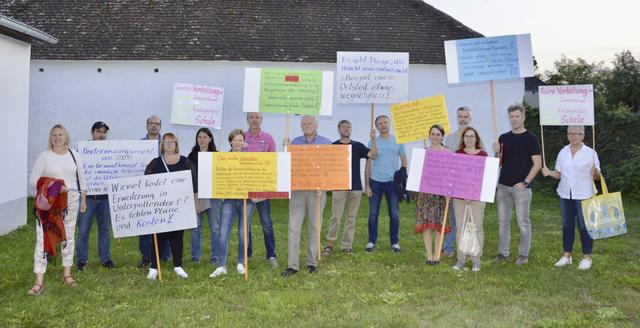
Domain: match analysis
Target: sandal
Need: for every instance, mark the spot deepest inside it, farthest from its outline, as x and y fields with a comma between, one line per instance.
x=326, y=251
x=69, y=281
x=36, y=289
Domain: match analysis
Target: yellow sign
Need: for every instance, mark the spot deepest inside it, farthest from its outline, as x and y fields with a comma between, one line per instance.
x=237, y=174
x=412, y=119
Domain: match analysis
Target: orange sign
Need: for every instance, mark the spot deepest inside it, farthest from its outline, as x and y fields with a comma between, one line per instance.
x=320, y=167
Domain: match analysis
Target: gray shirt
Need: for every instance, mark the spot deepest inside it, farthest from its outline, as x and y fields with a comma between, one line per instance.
x=452, y=140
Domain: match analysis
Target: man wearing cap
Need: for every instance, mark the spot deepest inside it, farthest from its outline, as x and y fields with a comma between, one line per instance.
x=98, y=206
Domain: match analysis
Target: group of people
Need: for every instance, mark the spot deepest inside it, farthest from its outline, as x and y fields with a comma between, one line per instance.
x=386, y=163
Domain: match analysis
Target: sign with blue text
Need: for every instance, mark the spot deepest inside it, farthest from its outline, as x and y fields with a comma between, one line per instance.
x=492, y=58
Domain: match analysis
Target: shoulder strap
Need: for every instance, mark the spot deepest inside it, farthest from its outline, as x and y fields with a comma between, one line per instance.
x=77, y=168
x=165, y=163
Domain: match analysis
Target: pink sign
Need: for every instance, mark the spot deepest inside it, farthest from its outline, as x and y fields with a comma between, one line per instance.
x=449, y=174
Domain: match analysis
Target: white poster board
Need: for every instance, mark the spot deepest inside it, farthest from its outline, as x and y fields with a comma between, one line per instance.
x=566, y=104
x=372, y=77
x=106, y=160
x=197, y=105
x=153, y=203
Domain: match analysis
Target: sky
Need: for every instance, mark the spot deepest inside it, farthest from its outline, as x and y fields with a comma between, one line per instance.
x=589, y=29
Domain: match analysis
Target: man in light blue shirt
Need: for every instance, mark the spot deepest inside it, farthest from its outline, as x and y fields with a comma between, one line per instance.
x=378, y=175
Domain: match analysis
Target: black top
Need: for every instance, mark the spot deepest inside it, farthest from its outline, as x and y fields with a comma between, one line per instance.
x=156, y=166
x=516, y=153
x=358, y=151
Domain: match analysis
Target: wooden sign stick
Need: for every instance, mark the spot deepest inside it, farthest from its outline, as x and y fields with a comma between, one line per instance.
x=593, y=136
x=318, y=222
x=286, y=126
x=444, y=224
x=246, y=239
x=155, y=246
x=544, y=162
x=372, y=114
x=493, y=112
x=424, y=143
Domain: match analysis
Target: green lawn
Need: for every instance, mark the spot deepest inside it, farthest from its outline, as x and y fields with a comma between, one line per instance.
x=381, y=289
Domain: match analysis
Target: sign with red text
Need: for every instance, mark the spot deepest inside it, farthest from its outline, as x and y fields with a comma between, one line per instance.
x=152, y=203
x=372, y=77
x=197, y=105
x=449, y=174
x=566, y=104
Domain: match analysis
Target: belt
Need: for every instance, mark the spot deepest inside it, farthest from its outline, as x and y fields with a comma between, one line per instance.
x=98, y=196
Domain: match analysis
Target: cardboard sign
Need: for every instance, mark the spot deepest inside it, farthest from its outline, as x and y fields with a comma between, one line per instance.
x=372, y=77
x=455, y=175
x=106, y=160
x=320, y=167
x=236, y=175
x=566, y=104
x=153, y=203
x=493, y=58
x=412, y=119
x=197, y=105
x=288, y=91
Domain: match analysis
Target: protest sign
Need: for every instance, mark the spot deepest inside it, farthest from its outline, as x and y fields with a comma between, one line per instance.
x=197, y=105
x=412, y=119
x=153, y=203
x=288, y=91
x=566, y=104
x=455, y=175
x=320, y=167
x=106, y=160
x=492, y=58
x=372, y=77
x=235, y=175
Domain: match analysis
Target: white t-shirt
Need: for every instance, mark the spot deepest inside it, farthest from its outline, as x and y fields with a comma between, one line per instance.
x=52, y=165
x=576, y=181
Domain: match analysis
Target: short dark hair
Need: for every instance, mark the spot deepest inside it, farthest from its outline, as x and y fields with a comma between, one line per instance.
x=516, y=107
x=380, y=117
x=343, y=121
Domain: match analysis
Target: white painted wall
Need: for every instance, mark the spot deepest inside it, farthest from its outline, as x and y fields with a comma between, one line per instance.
x=125, y=93
x=14, y=107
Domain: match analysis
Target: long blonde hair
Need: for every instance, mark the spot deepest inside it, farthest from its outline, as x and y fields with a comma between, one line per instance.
x=64, y=131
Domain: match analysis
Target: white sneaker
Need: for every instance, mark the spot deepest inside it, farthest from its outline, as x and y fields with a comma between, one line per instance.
x=563, y=261
x=240, y=268
x=180, y=272
x=273, y=261
x=153, y=274
x=218, y=272
x=585, y=264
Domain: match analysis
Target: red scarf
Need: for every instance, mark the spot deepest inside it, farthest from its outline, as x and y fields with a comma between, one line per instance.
x=50, y=207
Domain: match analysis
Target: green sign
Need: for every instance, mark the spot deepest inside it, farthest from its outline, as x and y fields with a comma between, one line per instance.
x=290, y=91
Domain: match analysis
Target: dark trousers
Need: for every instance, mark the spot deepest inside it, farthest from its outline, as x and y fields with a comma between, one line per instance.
x=571, y=210
x=175, y=239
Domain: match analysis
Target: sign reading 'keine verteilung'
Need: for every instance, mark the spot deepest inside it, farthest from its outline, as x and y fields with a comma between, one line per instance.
x=197, y=105
x=566, y=104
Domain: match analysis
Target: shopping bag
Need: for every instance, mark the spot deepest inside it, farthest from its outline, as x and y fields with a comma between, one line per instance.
x=603, y=214
x=468, y=244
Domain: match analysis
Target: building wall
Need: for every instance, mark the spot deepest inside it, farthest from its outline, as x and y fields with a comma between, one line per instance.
x=125, y=93
x=14, y=109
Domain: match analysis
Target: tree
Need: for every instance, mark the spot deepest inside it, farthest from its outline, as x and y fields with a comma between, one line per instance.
x=623, y=82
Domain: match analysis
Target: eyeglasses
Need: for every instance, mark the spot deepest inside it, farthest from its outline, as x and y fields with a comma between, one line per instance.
x=169, y=142
x=575, y=134
x=470, y=137
x=153, y=123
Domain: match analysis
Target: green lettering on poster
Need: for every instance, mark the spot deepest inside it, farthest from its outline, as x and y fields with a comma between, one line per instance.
x=290, y=91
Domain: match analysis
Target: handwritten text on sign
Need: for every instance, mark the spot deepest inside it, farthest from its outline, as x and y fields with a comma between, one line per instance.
x=234, y=175
x=198, y=105
x=288, y=91
x=493, y=58
x=372, y=77
x=106, y=160
x=320, y=167
x=456, y=175
x=412, y=119
x=566, y=104
x=152, y=204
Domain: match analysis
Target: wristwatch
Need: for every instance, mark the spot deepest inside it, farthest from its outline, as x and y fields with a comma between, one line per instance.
x=526, y=184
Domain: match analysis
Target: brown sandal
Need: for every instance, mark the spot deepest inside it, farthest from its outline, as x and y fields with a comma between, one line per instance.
x=69, y=281
x=36, y=289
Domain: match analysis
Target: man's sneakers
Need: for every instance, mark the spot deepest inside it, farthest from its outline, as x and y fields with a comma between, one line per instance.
x=563, y=261
x=153, y=274
x=585, y=264
x=289, y=272
x=500, y=258
x=370, y=247
x=312, y=269
x=108, y=264
x=522, y=260
x=81, y=266
x=221, y=270
x=180, y=272
x=273, y=261
x=395, y=248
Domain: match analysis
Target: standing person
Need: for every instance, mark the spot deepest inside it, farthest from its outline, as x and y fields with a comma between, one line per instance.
x=58, y=162
x=519, y=153
x=304, y=202
x=577, y=166
x=430, y=208
x=471, y=144
x=97, y=205
x=378, y=176
x=349, y=199
x=257, y=140
x=452, y=141
x=231, y=207
x=154, y=125
x=170, y=160
x=212, y=207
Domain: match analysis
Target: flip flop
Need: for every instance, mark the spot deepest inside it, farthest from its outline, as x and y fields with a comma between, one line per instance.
x=69, y=281
x=36, y=289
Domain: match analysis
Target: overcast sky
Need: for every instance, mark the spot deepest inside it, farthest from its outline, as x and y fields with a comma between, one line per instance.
x=593, y=30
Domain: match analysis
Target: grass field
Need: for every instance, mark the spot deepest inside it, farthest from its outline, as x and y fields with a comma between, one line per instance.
x=381, y=289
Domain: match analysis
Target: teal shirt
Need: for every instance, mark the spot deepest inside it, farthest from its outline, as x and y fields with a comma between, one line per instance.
x=387, y=161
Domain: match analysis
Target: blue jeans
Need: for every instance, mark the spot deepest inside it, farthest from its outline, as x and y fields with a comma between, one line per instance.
x=571, y=210
x=231, y=208
x=264, y=210
x=450, y=238
x=145, y=244
x=98, y=206
x=214, y=213
x=393, y=198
